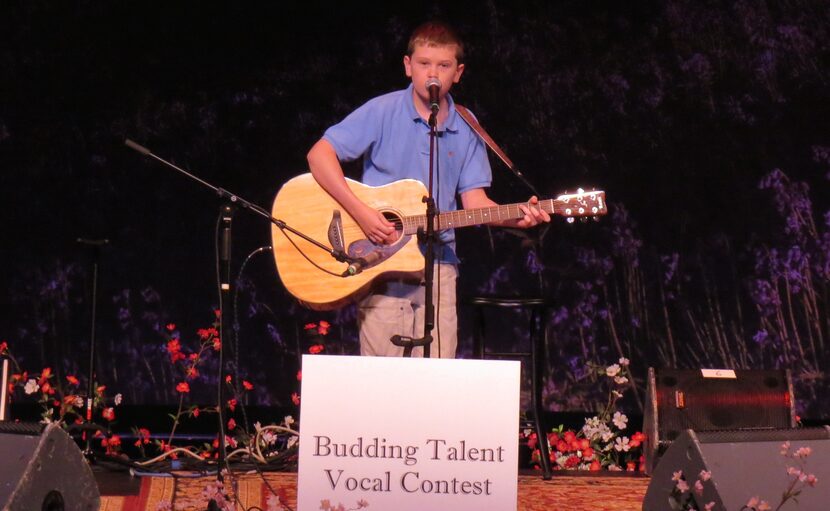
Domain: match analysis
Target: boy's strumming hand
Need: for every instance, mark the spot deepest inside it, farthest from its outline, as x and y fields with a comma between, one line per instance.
x=377, y=228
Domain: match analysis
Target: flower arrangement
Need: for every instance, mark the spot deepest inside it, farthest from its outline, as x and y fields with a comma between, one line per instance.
x=682, y=499
x=62, y=402
x=602, y=442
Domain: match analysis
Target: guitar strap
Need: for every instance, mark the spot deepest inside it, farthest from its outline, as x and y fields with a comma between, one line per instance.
x=469, y=119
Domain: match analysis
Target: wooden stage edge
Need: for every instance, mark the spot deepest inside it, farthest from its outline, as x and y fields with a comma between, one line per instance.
x=565, y=491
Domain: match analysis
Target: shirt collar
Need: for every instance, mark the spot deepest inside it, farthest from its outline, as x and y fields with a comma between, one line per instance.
x=452, y=118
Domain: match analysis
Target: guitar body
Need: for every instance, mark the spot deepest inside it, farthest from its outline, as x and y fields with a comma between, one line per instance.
x=303, y=205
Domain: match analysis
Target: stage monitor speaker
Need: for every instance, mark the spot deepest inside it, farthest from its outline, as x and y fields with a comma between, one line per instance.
x=743, y=464
x=44, y=470
x=713, y=400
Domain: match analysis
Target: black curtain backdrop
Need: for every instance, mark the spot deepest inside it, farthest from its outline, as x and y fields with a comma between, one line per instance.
x=705, y=123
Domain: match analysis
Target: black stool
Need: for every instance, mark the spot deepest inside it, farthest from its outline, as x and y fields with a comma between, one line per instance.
x=538, y=340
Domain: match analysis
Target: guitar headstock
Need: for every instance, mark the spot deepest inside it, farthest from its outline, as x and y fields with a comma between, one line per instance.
x=581, y=204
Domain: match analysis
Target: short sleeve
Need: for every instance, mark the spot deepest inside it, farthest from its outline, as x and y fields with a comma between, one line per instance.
x=355, y=134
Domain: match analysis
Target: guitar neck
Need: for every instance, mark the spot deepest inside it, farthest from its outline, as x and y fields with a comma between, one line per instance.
x=476, y=216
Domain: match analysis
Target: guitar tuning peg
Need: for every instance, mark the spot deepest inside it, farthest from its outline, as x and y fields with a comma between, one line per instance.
x=570, y=219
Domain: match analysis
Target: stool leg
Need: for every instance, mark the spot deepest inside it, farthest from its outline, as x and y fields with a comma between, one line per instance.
x=537, y=364
x=478, y=335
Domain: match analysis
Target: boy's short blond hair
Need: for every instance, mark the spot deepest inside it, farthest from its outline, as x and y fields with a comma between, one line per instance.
x=436, y=33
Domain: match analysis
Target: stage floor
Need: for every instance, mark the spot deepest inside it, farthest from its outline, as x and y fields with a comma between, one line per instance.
x=566, y=492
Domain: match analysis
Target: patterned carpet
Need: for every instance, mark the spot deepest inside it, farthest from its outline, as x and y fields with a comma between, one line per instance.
x=566, y=493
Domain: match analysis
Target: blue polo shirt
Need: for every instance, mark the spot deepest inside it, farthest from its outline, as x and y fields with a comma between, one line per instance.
x=393, y=140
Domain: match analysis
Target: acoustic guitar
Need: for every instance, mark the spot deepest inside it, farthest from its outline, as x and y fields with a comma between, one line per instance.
x=321, y=282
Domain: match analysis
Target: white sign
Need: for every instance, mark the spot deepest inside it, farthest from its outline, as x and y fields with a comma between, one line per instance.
x=728, y=374
x=408, y=434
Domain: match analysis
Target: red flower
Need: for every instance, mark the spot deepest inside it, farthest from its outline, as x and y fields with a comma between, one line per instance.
x=228, y=379
x=248, y=385
x=194, y=412
x=206, y=333
x=323, y=329
x=170, y=327
x=532, y=440
x=300, y=375
x=231, y=424
x=100, y=390
x=192, y=372
x=109, y=414
x=114, y=441
x=562, y=446
x=72, y=380
x=183, y=387
x=4, y=347
x=569, y=436
x=295, y=398
x=310, y=326
x=47, y=389
x=584, y=444
x=572, y=461
x=175, y=350
x=44, y=375
x=595, y=465
x=636, y=439
x=317, y=348
x=631, y=466
x=587, y=453
x=217, y=313
x=217, y=344
x=232, y=404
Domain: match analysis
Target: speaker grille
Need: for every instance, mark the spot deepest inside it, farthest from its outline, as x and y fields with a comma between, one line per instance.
x=753, y=400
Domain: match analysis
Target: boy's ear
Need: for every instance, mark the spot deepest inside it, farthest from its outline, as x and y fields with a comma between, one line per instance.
x=407, y=65
x=458, y=72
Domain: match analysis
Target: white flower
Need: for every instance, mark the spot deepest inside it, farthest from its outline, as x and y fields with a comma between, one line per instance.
x=705, y=475
x=614, y=467
x=79, y=402
x=624, y=361
x=620, y=420
x=118, y=399
x=699, y=487
x=289, y=420
x=268, y=437
x=676, y=476
x=31, y=386
x=682, y=486
x=617, y=394
x=612, y=370
x=292, y=440
x=620, y=380
x=621, y=444
x=802, y=452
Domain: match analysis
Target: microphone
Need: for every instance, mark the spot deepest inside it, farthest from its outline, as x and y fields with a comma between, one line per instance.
x=359, y=264
x=433, y=85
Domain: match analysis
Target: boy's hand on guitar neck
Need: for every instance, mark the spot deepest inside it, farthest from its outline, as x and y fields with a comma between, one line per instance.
x=534, y=215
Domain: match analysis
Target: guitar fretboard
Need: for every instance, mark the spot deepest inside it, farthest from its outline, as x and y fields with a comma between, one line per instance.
x=477, y=216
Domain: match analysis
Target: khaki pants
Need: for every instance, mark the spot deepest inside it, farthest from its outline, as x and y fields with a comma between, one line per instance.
x=397, y=307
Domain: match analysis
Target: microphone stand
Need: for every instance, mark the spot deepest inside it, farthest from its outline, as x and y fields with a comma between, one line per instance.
x=428, y=236
x=229, y=202
x=95, y=246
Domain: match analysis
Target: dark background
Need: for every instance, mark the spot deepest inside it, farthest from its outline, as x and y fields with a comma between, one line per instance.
x=679, y=110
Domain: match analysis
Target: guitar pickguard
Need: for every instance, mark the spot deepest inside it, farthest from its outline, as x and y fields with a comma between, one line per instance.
x=375, y=254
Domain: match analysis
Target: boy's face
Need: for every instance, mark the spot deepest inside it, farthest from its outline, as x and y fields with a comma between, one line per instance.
x=433, y=62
